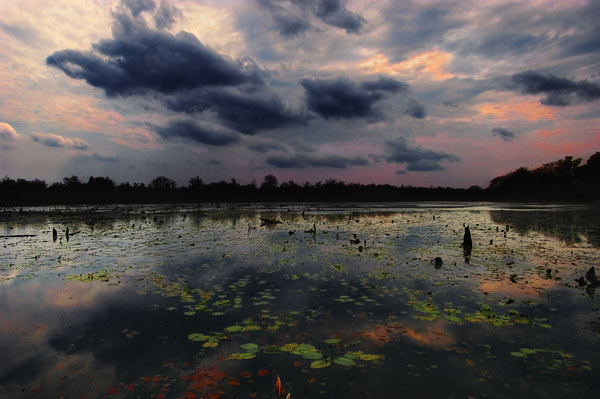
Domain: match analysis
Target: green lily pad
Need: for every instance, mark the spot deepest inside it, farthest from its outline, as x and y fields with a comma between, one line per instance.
x=249, y=346
x=312, y=355
x=344, y=361
x=319, y=364
x=272, y=349
x=302, y=348
x=289, y=347
x=332, y=341
x=198, y=337
x=242, y=356
x=369, y=357
x=354, y=355
x=234, y=328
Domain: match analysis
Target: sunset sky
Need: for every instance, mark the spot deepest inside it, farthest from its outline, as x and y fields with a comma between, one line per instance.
x=401, y=92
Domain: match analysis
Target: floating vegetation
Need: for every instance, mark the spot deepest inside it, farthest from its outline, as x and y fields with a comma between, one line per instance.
x=198, y=337
x=319, y=364
x=102, y=275
x=552, y=359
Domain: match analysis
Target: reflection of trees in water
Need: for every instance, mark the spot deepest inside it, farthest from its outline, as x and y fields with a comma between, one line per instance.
x=568, y=226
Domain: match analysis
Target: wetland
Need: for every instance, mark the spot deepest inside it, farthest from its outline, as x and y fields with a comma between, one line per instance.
x=338, y=301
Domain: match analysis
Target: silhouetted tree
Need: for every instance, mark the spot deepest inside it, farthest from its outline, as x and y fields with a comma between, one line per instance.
x=565, y=179
x=195, y=183
x=269, y=181
x=162, y=183
x=100, y=183
x=71, y=182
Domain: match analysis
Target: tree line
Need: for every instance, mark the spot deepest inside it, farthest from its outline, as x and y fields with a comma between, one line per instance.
x=567, y=179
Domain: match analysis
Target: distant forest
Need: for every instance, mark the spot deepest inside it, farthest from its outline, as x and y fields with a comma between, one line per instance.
x=568, y=179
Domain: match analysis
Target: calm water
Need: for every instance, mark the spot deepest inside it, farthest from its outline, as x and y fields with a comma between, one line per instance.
x=181, y=302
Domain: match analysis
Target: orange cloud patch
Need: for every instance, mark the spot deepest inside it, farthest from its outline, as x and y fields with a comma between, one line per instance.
x=429, y=63
x=137, y=138
x=532, y=111
x=431, y=336
x=534, y=286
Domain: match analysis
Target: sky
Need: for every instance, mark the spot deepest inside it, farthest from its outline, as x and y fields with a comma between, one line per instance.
x=423, y=93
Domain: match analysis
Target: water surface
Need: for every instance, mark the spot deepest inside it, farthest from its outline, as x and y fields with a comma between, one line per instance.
x=189, y=302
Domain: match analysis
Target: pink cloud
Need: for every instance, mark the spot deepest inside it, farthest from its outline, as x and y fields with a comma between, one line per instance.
x=430, y=64
x=137, y=138
x=7, y=132
x=55, y=140
x=529, y=110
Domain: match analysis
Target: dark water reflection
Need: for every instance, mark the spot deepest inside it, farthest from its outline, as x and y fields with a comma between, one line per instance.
x=110, y=312
x=566, y=225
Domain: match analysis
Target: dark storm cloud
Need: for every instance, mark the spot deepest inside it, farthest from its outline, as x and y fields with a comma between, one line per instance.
x=416, y=158
x=180, y=71
x=190, y=130
x=246, y=113
x=503, y=133
x=425, y=165
x=334, y=13
x=139, y=60
x=290, y=25
x=264, y=147
x=342, y=98
x=291, y=18
x=384, y=84
x=138, y=6
x=166, y=15
x=300, y=161
x=415, y=109
x=288, y=19
x=559, y=91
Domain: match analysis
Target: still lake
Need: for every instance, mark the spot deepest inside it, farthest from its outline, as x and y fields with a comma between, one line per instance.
x=339, y=301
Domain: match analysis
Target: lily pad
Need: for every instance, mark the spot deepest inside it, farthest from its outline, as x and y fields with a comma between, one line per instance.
x=354, y=355
x=319, y=364
x=289, y=347
x=234, y=328
x=198, y=337
x=312, y=355
x=369, y=357
x=242, y=356
x=272, y=349
x=344, y=361
x=249, y=346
